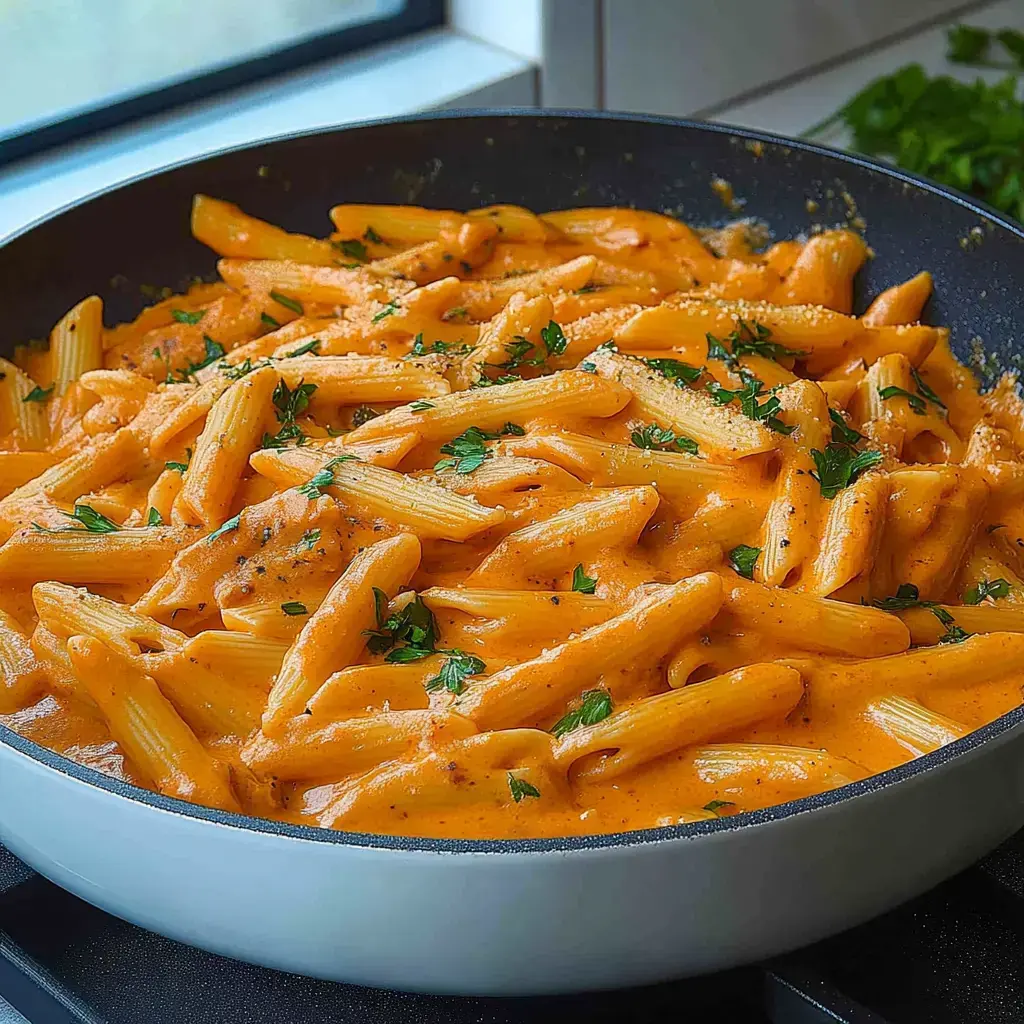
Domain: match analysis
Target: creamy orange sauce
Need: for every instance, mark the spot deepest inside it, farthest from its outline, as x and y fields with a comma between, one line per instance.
x=650, y=604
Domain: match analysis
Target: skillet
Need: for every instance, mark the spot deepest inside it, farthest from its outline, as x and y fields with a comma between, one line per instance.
x=519, y=916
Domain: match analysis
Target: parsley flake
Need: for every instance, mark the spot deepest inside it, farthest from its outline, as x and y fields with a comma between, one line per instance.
x=594, y=706
x=184, y=316
x=353, y=249
x=657, y=438
x=390, y=309
x=838, y=466
x=916, y=402
x=226, y=527
x=413, y=627
x=371, y=236
x=581, y=582
x=93, y=521
x=457, y=668
x=283, y=300
x=743, y=558
x=676, y=370
x=420, y=406
x=842, y=432
x=554, y=340
x=467, y=451
x=309, y=539
x=308, y=346
x=987, y=588
x=154, y=518
x=520, y=788
x=38, y=394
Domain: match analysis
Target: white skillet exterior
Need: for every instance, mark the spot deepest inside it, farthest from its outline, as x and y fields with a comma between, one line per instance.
x=510, y=917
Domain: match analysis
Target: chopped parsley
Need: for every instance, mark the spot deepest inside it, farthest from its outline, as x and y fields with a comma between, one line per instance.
x=371, y=236
x=294, y=608
x=842, y=432
x=283, y=300
x=459, y=313
x=714, y=806
x=581, y=582
x=505, y=378
x=749, y=339
x=390, y=309
x=554, y=340
x=457, y=668
x=267, y=320
x=469, y=450
x=743, y=558
x=520, y=788
x=38, y=394
x=588, y=367
x=308, y=346
x=154, y=518
x=363, y=414
x=839, y=465
x=93, y=521
x=288, y=404
x=407, y=635
x=924, y=390
x=908, y=596
x=676, y=370
x=309, y=539
x=512, y=430
x=519, y=350
x=418, y=406
x=312, y=488
x=180, y=467
x=987, y=588
x=226, y=527
x=353, y=249
x=184, y=316
x=748, y=396
x=892, y=391
x=594, y=706
x=658, y=438
x=439, y=347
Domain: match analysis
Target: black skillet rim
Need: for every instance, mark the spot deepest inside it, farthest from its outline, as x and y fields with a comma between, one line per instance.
x=561, y=844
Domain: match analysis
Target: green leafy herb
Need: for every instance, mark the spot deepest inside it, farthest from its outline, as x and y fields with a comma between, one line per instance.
x=93, y=521
x=749, y=339
x=226, y=527
x=467, y=451
x=717, y=350
x=505, y=378
x=269, y=321
x=588, y=367
x=658, y=438
x=389, y=310
x=714, y=806
x=353, y=249
x=380, y=604
x=441, y=347
x=309, y=346
x=842, y=432
x=966, y=135
x=675, y=370
x=594, y=706
x=924, y=390
x=519, y=350
x=371, y=236
x=313, y=487
x=283, y=300
x=748, y=396
x=455, y=313
x=154, y=518
x=838, y=466
x=421, y=406
x=892, y=391
x=180, y=467
x=294, y=608
x=309, y=539
x=363, y=414
x=520, y=788
x=908, y=596
x=987, y=588
x=581, y=582
x=242, y=369
x=554, y=340
x=512, y=430
x=288, y=404
x=743, y=558
x=413, y=627
x=38, y=394
x=184, y=316
x=457, y=668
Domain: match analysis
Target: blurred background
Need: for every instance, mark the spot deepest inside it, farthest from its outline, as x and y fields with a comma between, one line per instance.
x=97, y=91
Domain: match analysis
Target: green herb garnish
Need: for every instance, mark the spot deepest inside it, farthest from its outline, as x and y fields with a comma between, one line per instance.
x=743, y=558
x=371, y=236
x=987, y=588
x=594, y=706
x=657, y=438
x=457, y=668
x=309, y=540
x=294, y=608
x=413, y=627
x=838, y=466
x=554, y=340
x=184, y=316
x=714, y=806
x=93, y=521
x=389, y=310
x=308, y=346
x=363, y=414
x=269, y=321
x=288, y=404
x=226, y=527
x=842, y=432
x=747, y=397
x=467, y=451
x=581, y=582
x=38, y=394
x=675, y=370
x=153, y=518
x=420, y=406
x=353, y=249
x=892, y=391
x=283, y=300
x=520, y=788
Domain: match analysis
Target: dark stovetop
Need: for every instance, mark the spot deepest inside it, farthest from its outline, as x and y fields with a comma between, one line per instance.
x=954, y=956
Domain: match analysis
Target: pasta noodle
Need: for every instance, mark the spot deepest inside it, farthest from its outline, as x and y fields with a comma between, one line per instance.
x=497, y=524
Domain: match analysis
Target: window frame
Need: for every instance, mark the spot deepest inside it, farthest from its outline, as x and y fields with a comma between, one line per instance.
x=415, y=16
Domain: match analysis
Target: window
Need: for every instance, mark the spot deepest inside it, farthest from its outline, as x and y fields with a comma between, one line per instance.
x=72, y=67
